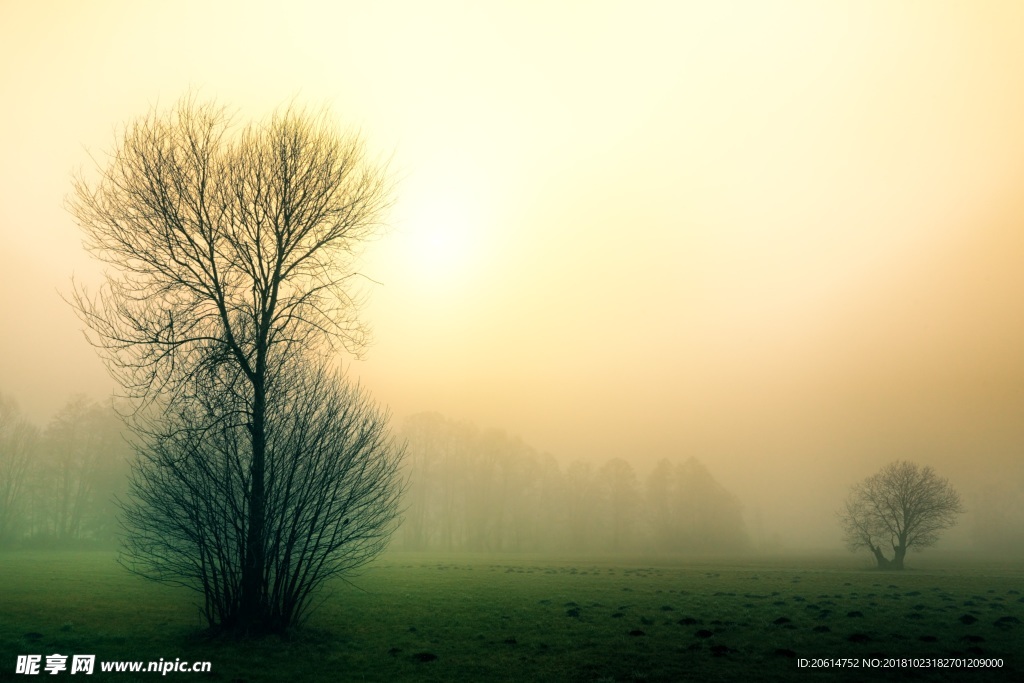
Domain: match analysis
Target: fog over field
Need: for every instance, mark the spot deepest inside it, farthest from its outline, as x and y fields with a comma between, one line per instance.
x=781, y=241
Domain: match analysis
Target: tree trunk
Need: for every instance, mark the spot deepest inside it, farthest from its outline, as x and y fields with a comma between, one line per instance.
x=251, y=603
x=883, y=562
x=897, y=560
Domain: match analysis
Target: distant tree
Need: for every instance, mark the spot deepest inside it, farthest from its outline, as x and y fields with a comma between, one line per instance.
x=472, y=489
x=581, y=502
x=18, y=446
x=690, y=512
x=710, y=517
x=901, y=507
x=484, y=490
x=661, y=498
x=438, y=468
x=81, y=468
x=502, y=493
x=619, y=495
x=420, y=471
x=231, y=251
x=540, y=509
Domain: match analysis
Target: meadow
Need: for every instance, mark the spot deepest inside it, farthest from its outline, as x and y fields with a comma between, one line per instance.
x=477, y=618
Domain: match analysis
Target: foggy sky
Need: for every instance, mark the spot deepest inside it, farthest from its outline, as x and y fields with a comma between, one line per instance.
x=784, y=238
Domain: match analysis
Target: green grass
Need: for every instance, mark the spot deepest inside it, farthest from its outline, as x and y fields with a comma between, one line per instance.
x=535, y=619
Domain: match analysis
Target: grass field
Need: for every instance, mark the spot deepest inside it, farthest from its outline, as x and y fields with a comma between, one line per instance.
x=456, y=618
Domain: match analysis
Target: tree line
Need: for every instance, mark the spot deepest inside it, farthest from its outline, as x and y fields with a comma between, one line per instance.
x=58, y=483
x=474, y=490
x=482, y=490
x=468, y=489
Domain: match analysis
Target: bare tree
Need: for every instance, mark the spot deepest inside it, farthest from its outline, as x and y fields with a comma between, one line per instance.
x=332, y=488
x=691, y=512
x=82, y=452
x=232, y=252
x=901, y=507
x=18, y=441
x=619, y=492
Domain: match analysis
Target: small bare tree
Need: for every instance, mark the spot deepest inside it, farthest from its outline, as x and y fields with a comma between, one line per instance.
x=901, y=507
x=231, y=251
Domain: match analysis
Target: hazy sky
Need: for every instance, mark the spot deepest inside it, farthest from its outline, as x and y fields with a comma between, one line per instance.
x=786, y=238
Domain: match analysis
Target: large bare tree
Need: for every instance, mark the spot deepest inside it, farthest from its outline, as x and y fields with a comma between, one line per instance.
x=231, y=249
x=903, y=506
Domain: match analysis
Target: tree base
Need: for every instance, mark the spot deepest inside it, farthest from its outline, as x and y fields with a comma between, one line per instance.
x=884, y=563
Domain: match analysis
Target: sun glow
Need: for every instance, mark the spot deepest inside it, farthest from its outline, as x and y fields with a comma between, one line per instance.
x=438, y=246
x=440, y=236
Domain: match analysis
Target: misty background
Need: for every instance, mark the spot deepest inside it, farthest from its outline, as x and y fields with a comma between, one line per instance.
x=778, y=240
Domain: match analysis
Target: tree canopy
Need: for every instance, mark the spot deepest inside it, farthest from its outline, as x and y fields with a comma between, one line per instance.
x=903, y=506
